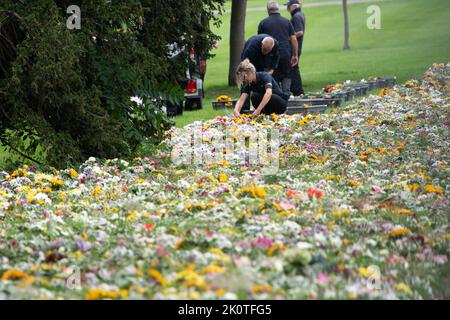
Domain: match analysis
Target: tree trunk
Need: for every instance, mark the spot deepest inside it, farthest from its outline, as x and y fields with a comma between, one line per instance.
x=346, y=26
x=237, y=37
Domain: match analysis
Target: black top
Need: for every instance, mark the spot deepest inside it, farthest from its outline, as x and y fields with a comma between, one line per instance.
x=252, y=51
x=263, y=82
x=279, y=28
x=299, y=21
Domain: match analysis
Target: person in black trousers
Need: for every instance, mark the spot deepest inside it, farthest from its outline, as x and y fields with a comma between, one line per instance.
x=298, y=22
x=266, y=95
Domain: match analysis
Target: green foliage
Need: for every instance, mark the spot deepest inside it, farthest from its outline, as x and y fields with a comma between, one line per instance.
x=67, y=92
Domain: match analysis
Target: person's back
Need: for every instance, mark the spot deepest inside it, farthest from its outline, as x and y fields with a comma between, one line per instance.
x=263, y=60
x=277, y=27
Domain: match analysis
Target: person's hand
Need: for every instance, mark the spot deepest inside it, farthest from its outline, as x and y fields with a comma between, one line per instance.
x=294, y=61
x=270, y=72
x=236, y=113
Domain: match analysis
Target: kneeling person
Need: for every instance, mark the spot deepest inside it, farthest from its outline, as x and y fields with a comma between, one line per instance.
x=266, y=95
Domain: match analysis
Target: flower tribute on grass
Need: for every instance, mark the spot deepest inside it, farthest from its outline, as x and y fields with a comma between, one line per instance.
x=358, y=209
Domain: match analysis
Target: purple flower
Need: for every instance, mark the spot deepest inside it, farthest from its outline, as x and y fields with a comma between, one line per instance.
x=83, y=246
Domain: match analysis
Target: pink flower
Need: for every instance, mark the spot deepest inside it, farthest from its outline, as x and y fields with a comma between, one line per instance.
x=262, y=243
x=286, y=205
x=377, y=189
x=323, y=278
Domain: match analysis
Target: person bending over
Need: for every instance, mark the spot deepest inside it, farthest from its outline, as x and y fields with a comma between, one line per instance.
x=262, y=51
x=266, y=95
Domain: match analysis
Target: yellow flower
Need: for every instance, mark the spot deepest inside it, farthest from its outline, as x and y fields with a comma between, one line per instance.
x=15, y=274
x=155, y=274
x=261, y=288
x=223, y=177
x=404, y=211
x=354, y=183
x=433, y=189
x=220, y=292
x=367, y=272
x=194, y=283
x=213, y=269
x=140, y=181
x=73, y=173
x=98, y=294
x=179, y=244
x=274, y=248
x=385, y=92
x=352, y=295
x=413, y=187
x=398, y=232
x=96, y=192
x=260, y=192
x=275, y=117
x=403, y=287
x=56, y=182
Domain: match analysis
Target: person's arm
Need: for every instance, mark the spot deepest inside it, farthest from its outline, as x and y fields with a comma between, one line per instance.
x=294, y=42
x=275, y=58
x=240, y=104
x=263, y=103
x=299, y=26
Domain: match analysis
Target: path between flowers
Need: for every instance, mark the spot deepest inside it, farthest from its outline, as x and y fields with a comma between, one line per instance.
x=359, y=209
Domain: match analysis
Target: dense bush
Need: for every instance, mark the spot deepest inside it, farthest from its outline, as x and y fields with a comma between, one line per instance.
x=67, y=92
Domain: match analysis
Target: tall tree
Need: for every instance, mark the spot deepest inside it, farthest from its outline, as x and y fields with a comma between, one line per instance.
x=237, y=37
x=346, y=26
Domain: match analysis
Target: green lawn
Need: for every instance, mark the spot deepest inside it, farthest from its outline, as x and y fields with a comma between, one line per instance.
x=263, y=3
x=414, y=34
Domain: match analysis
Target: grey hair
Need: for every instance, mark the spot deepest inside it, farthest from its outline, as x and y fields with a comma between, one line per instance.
x=273, y=7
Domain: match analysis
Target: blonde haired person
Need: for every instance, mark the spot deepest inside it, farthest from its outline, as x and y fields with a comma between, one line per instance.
x=265, y=93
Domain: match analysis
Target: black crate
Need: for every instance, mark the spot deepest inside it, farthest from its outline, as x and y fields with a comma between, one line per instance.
x=309, y=110
x=223, y=105
x=333, y=102
x=381, y=83
x=173, y=111
x=339, y=95
x=390, y=81
x=349, y=94
x=372, y=84
x=302, y=102
x=329, y=102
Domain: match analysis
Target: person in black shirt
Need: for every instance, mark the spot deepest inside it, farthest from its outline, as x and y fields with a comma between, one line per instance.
x=298, y=22
x=282, y=30
x=262, y=51
x=266, y=95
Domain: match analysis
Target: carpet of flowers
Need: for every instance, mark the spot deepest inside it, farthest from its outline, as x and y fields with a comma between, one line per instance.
x=359, y=209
